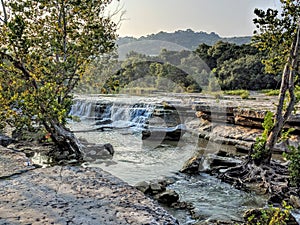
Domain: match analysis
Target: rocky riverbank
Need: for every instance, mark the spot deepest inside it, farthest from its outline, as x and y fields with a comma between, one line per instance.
x=77, y=195
x=238, y=122
x=70, y=195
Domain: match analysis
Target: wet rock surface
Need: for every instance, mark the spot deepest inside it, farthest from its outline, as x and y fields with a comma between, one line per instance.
x=75, y=195
x=168, y=198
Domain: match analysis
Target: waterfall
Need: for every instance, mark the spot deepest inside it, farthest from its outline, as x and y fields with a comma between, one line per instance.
x=115, y=114
x=83, y=109
x=135, y=115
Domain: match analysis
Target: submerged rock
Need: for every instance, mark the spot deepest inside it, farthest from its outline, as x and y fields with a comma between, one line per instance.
x=164, y=133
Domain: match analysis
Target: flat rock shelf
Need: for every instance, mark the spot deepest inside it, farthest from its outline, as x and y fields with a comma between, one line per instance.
x=75, y=195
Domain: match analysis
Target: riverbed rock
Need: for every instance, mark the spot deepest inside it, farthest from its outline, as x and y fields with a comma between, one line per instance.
x=5, y=140
x=93, y=152
x=13, y=162
x=209, y=162
x=164, y=133
x=236, y=122
x=143, y=186
x=156, y=187
x=75, y=195
x=167, y=197
x=295, y=201
x=193, y=164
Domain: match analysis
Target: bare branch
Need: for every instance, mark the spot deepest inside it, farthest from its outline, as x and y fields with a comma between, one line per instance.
x=4, y=20
x=117, y=13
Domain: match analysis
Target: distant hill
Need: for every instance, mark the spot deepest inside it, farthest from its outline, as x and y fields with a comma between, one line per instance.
x=187, y=38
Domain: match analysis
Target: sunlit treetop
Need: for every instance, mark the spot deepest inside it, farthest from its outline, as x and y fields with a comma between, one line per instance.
x=275, y=33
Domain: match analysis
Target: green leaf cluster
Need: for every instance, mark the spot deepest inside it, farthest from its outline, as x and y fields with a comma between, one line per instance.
x=259, y=148
x=271, y=216
x=294, y=165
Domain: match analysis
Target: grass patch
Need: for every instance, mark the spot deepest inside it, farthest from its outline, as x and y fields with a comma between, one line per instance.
x=235, y=92
x=243, y=93
x=271, y=92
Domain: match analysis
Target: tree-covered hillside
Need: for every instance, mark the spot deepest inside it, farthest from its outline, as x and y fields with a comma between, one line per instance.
x=224, y=65
x=187, y=38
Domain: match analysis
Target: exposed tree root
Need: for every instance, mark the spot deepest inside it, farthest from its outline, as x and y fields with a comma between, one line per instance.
x=270, y=179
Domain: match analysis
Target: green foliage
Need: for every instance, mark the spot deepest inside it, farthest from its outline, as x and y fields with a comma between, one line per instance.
x=243, y=93
x=237, y=67
x=275, y=33
x=271, y=216
x=294, y=166
x=45, y=47
x=271, y=92
x=98, y=72
x=235, y=92
x=259, y=148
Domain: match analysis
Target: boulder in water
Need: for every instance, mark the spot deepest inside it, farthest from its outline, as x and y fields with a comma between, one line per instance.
x=167, y=197
x=93, y=152
x=164, y=133
x=192, y=165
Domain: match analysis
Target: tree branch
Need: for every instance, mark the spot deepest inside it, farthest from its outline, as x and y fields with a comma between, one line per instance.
x=4, y=20
x=20, y=66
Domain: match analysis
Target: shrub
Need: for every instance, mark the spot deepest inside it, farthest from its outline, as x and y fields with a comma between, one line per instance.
x=294, y=166
x=243, y=93
x=271, y=215
x=272, y=93
x=259, y=150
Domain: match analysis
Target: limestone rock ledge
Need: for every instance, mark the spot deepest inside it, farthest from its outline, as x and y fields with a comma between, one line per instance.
x=75, y=195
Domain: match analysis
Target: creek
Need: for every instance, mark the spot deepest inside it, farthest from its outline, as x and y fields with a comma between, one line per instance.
x=122, y=120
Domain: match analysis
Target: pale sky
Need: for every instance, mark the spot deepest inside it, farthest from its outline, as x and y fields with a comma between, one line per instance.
x=224, y=17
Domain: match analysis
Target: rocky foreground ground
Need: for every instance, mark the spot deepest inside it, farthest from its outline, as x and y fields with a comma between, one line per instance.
x=70, y=195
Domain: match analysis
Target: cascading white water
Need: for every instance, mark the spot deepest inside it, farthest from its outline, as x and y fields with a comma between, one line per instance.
x=119, y=115
x=83, y=109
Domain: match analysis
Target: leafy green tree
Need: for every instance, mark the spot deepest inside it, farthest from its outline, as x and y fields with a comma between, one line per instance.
x=246, y=72
x=278, y=34
x=45, y=47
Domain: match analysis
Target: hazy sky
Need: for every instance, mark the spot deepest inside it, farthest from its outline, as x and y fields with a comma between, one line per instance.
x=224, y=17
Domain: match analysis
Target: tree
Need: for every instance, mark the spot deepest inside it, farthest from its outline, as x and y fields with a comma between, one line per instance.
x=278, y=34
x=279, y=37
x=45, y=47
x=246, y=72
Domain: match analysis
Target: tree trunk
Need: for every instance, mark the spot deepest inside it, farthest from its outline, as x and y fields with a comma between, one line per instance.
x=69, y=147
x=287, y=84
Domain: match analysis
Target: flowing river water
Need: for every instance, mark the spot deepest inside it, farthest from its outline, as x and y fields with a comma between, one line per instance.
x=135, y=161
